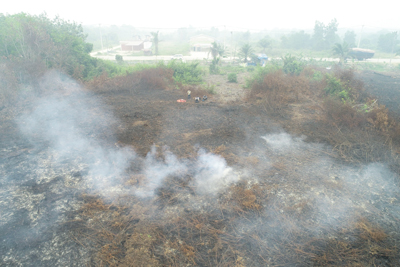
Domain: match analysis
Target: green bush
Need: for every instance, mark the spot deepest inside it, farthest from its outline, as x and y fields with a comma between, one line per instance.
x=186, y=73
x=293, y=65
x=232, y=77
x=335, y=87
x=317, y=76
x=260, y=72
x=119, y=58
x=214, y=69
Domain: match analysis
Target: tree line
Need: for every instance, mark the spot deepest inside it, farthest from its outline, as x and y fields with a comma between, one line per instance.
x=30, y=45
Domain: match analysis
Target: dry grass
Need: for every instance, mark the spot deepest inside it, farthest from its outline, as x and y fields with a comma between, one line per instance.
x=278, y=90
x=148, y=79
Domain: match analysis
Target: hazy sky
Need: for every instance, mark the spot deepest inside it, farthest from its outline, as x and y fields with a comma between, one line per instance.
x=248, y=14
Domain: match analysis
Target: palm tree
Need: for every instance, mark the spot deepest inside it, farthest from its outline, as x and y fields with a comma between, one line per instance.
x=216, y=50
x=264, y=43
x=155, y=40
x=342, y=51
x=245, y=51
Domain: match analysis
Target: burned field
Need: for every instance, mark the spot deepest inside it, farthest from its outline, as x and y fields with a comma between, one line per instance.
x=120, y=174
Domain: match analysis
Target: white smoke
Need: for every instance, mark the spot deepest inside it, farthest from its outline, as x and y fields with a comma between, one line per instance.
x=69, y=122
x=282, y=141
x=209, y=171
x=212, y=173
x=72, y=125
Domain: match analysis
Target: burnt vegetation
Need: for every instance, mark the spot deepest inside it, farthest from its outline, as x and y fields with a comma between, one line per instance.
x=321, y=197
x=249, y=223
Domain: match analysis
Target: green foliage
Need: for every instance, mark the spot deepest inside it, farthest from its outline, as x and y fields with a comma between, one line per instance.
x=216, y=50
x=342, y=51
x=155, y=41
x=245, y=51
x=264, y=43
x=232, y=77
x=296, y=40
x=317, y=76
x=388, y=42
x=335, y=87
x=119, y=59
x=324, y=36
x=186, y=73
x=214, y=69
x=33, y=44
x=293, y=65
x=259, y=73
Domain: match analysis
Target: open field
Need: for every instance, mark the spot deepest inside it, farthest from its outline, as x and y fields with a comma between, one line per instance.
x=116, y=172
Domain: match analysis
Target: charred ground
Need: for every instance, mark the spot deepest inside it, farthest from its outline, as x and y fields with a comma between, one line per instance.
x=316, y=182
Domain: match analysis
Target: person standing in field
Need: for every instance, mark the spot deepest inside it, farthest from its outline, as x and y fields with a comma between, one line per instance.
x=189, y=92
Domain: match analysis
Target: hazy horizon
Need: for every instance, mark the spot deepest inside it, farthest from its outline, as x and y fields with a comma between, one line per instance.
x=251, y=16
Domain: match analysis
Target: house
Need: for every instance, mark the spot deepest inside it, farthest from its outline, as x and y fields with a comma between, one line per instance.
x=137, y=45
x=201, y=42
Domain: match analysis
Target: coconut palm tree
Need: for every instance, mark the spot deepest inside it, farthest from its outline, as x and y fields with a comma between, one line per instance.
x=342, y=51
x=246, y=51
x=156, y=41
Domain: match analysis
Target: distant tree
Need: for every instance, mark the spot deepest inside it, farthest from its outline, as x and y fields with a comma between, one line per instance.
x=330, y=33
x=216, y=50
x=318, y=36
x=388, y=42
x=296, y=40
x=38, y=43
x=264, y=43
x=350, y=38
x=324, y=36
x=342, y=51
x=155, y=41
x=245, y=51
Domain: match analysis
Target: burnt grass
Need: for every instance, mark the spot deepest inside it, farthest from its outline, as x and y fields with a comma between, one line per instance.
x=329, y=199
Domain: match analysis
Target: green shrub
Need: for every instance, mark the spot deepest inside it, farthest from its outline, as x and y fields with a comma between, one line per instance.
x=293, y=65
x=232, y=77
x=186, y=73
x=260, y=72
x=335, y=87
x=214, y=69
x=119, y=58
x=317, y=76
